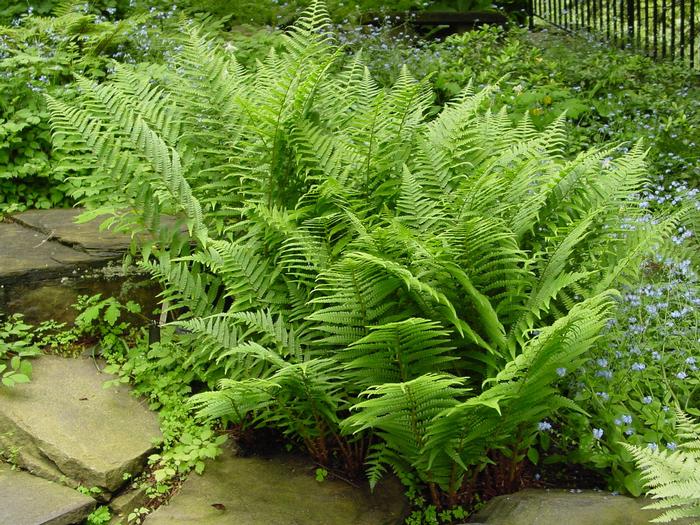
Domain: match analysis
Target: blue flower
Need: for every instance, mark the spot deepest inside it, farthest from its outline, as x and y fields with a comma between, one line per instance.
x=603, y=395
x=647, y=400
x=652, y=446
x=597, y=433
x=681, y=375
x=544, y=426
x=627, y=419
x=638, y=367
x=561, y=372
x=671, y=445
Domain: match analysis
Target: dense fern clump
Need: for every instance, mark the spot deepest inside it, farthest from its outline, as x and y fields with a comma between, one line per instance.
x=673, y=476
x=381, y=287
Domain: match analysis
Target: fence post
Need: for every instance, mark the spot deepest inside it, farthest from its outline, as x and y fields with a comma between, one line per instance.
x=692, y=33
x=630, y=21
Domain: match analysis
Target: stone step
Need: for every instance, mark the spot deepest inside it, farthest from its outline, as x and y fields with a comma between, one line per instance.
x=64, y=426
x=30, y=500
x=59, y=225
x=559, y=506
x=278, y=491
x=47, y=261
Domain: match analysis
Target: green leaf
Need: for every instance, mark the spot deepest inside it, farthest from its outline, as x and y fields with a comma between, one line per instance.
x=633, y=484
x=20, y=378
x=533, y=455
x=160, y=475
x=111, y=314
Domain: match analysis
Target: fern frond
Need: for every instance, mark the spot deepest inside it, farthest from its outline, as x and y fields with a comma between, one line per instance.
x=673, y=478
x=398, y=352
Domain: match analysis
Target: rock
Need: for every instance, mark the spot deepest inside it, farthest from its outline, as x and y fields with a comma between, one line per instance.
x=46, y=261
x=558, y=506
x=86, y=237
x=30, y=254
x=277, y=491
x=127, y=501
x=29, y=500
x=64, y=426
x=53, y=299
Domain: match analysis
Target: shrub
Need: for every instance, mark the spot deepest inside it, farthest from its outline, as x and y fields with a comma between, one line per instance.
x=376, y=285
x=39, y=55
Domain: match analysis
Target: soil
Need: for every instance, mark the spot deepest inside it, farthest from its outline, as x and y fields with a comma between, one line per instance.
x=568, y=476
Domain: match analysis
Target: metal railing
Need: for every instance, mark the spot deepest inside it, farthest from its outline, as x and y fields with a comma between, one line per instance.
x=664, y=29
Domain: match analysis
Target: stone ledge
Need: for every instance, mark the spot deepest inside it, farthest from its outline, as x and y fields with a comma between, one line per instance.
x=60, y=225
x=280, y=490
x=558, y=506
x=64, y=426
x=29, y=500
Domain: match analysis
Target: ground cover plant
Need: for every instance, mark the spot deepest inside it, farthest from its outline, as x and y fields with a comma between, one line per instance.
x=608, y=94
x=16, y=345
x=39, y=55
x=643, y=367
x=390, y=289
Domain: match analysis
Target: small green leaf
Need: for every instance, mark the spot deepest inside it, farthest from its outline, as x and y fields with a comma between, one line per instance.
x=20, y=378
x=633, y=483
x=533, y=455
x=160, y=475
x=111, y=314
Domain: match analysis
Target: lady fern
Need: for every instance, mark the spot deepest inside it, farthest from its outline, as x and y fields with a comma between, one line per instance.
x=673, y=477
x=350, y=270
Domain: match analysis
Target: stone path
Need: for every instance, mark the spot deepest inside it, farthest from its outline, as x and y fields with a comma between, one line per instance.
x=277, y=491
x=30, y=500
x=46, y=261
x=559, y=506
x=47, y=243
x=66, y=428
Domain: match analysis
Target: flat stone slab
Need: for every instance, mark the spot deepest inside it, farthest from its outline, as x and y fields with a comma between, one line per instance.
x=60, y=225
x=64, y=426
x=277, y=491
x=29, y=500
x=47, y=261
x=29, y=253
x=557, y=507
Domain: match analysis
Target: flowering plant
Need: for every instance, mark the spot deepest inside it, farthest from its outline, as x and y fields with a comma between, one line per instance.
x=647, y=362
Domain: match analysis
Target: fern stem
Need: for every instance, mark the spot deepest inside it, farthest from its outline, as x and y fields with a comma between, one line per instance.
x=435, y=495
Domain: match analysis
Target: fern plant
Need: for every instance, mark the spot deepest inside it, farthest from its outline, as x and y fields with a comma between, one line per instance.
x=673, y=477
x=374, y=283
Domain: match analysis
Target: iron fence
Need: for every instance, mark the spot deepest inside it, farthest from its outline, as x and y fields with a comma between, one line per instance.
x=660, y=28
